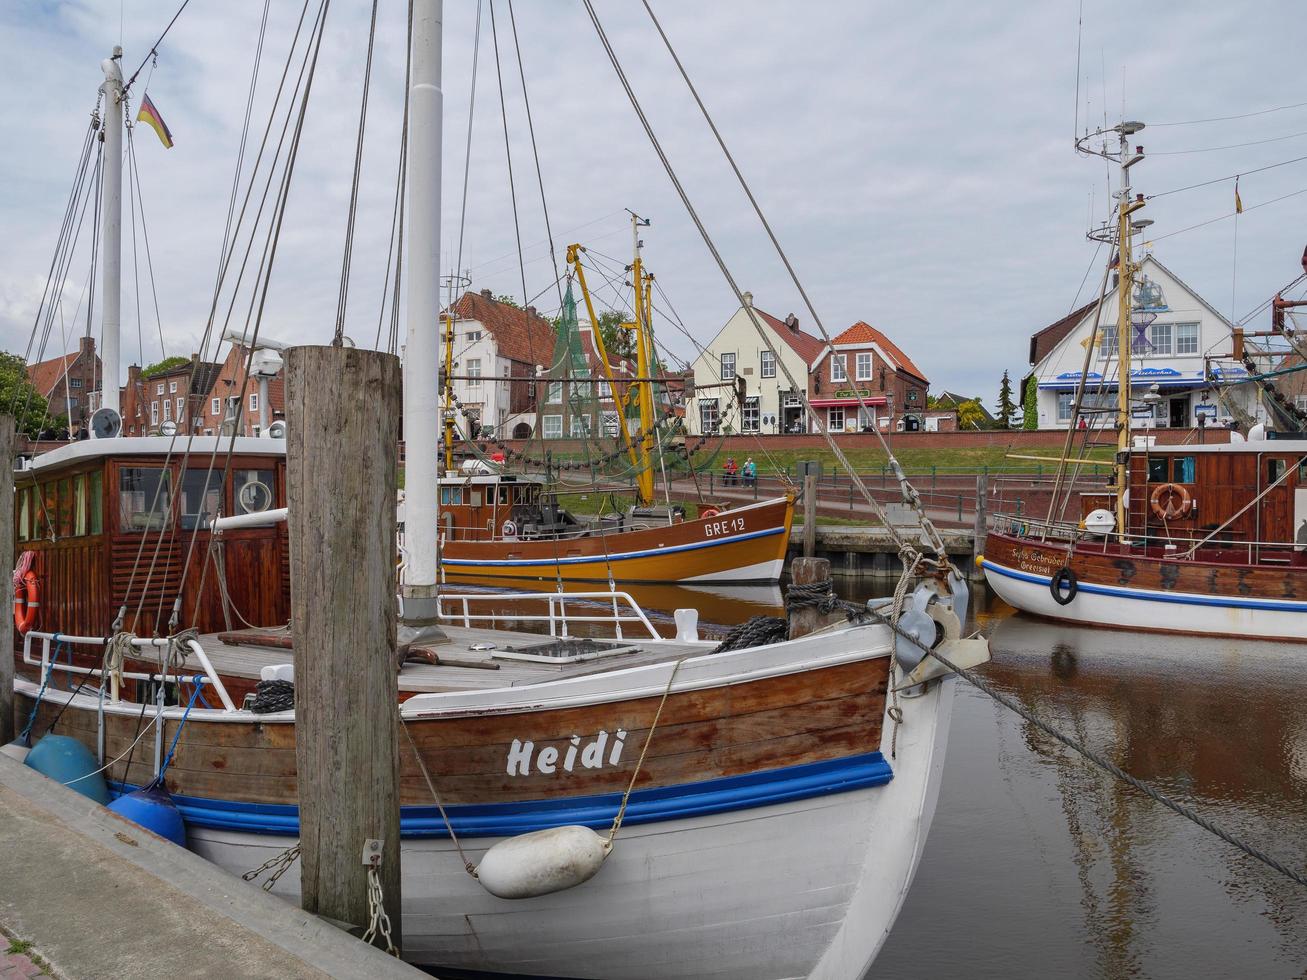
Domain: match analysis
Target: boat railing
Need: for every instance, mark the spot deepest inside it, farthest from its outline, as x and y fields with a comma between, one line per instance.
x=619, y=609
x=47, y=663
x=1176, y=545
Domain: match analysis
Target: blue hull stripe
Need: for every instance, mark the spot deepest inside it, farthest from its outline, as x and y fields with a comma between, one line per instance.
x=1184, y=599
x=506, y=819
x=617, y=556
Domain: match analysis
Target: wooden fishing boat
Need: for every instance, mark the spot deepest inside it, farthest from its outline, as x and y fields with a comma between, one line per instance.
x=508, y=526
x=1215, y=545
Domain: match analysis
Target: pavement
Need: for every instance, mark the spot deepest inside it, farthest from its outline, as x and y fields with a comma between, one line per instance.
x=96, y=896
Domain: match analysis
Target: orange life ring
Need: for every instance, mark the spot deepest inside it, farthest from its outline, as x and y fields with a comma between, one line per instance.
x=1171, y=510
x=27, y=600
x=708, y=512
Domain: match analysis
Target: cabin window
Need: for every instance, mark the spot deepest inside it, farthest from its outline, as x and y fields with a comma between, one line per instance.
x=201, y=497
x=451, y=495
x=79, y=506
x=505, y=495
x=1184, y=469
x=1302, y=471
x=25, y=514
x=253, y=491
x=1159, y=470
x=96, y=522
x=144, y=498
x=64, y=521
x=1275, y=469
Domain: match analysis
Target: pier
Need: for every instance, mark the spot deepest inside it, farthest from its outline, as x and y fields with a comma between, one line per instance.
x=94, y=895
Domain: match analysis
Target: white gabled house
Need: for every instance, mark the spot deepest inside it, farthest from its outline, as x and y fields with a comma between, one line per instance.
x=1182, y=351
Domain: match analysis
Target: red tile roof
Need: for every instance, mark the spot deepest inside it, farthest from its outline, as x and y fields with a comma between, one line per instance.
x=865, y=333
x=1052, y=335
x=46, y=374
x=807, y=346
x=519, y=336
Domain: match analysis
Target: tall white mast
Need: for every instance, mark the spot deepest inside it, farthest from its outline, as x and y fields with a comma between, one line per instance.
x=422, y=350
x=111, y=226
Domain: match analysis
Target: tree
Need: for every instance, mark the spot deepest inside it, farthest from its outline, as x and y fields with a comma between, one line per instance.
x=1007, y=409
x=971, y=415
x=618, y=342
x=1030, y=410
x=508, y=301
x=19, y=396
x=164, y=366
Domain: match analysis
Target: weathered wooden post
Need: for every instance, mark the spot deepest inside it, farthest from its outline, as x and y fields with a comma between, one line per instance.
x=810, y=513
x=7, y=436
x=981, y=528
x=342, y=432
x=808, y=619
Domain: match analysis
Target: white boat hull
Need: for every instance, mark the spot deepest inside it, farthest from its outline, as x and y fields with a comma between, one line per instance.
x=1140, y=609
x=808, y=888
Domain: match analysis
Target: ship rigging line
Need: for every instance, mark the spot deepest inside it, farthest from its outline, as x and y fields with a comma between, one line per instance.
x=1228, y=146
x=1223, y=217
x=154, y=48
x=1242, y=115
x=1219, y=180
x=926, y=525
x=395, y=246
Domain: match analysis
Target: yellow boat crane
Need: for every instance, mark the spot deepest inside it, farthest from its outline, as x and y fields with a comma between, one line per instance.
x=637, y=393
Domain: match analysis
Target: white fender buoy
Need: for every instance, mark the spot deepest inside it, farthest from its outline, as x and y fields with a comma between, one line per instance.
x=542, y=862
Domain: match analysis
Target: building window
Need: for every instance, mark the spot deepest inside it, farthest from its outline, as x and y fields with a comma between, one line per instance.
x=750, y=416
x=75, y=382
x=837, y=372
x=1300, y=402
x=604, y=390
x=835, y=419
x=1065, y=399
x=473, y=336
x=474, y=372
x=181, y=409
x=553, y=427
x=167, y=409
x=215, y=406
x=1186, y=338
x=580, y=426
x=709, y=420
x=158, y=389
x=154, y=413
x=1107, y=345
x=728, y=367
x=172, y=387
x=864, y=366
x=767, y=364
x=612, y=424
x=1161, y=339
x=554, y=393
x=72, y=401
x=254, y=401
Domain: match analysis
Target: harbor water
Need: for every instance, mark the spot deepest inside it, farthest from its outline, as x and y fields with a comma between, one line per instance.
x=1040, y=865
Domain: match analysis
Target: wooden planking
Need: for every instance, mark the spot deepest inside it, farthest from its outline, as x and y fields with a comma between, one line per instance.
x=7, y=529
x=1105, y=565
x=769, y=723
x=342, y=414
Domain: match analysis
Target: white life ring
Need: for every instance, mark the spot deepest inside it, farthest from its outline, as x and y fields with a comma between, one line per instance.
x=509, y=529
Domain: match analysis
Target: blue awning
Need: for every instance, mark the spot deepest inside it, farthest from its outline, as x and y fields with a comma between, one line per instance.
x=1163, y=377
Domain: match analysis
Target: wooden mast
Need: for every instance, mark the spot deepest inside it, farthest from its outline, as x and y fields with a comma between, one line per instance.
x=1125, y=288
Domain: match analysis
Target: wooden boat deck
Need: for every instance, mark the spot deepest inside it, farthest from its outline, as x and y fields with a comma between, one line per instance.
x=462, y=666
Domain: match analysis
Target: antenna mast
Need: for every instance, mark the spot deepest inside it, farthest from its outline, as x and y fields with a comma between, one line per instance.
x=111, y=227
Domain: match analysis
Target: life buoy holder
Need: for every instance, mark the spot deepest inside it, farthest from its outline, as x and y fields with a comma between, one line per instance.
x=1063, y=585
x=509, y=529
x=1178, y=502
x=708, y=512
x=27, y=601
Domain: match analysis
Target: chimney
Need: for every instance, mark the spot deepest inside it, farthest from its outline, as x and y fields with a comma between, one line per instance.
x=487, y=294
x=530, y=311
x=792, y=322
x=748, y=299
x=87, y=346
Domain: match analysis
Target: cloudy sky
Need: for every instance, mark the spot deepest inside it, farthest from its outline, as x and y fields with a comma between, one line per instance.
x=916, y=160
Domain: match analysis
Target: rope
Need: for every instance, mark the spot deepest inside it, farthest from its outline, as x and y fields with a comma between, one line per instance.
x=197, y=681
x=282, y=862
x=1148, y=790
x=639, y=763
x=270, y=696
x=756, y=631
x=26, y=735
x=468, y=866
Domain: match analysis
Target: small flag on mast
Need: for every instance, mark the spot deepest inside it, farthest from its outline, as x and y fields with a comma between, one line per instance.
x=1238, y=201
x=150, y=115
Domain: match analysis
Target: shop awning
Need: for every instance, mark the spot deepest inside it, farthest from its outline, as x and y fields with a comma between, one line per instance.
x=845, y=402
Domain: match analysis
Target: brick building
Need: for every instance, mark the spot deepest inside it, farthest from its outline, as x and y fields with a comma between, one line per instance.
x=199, y=397
x=69, y=383
x=865, y=362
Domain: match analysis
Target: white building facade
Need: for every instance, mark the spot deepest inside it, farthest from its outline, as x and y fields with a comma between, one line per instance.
x=1179, y=350
x=738, y=354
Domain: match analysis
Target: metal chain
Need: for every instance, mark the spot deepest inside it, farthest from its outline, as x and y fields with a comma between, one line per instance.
x=378, y=920
x=281, y=862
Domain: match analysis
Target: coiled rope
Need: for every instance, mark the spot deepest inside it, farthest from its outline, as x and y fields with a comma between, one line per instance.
x=270, y=696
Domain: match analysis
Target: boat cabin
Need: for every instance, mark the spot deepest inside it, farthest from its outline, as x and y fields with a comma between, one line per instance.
x=501, y=506
x=1250, y=497
x=111, y=523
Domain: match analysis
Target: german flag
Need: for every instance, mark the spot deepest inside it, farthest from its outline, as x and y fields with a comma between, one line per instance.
x=150, y=115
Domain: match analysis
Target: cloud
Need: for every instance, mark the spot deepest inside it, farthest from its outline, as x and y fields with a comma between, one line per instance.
x=916, y=160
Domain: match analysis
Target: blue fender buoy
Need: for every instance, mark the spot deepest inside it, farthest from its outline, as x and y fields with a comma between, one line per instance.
x=152, y=807
x=68, y=761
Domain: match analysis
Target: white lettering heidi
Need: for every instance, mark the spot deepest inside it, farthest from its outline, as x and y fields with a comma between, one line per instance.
x=519, y=758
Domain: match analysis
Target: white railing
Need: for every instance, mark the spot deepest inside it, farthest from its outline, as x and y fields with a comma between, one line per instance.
x=210, y=675
x=457, y=608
